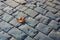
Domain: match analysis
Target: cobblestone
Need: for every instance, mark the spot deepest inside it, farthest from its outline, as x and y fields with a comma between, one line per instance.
x=11, y=3
x=12, y=38
x=20, y=1
x=56, y=2
x=41, y=20
x=50, y=4
x=42, y=1
x=6, y=17
x=55, y=35
x=4, y=36
x=19, y=14
x=58, y=7
x=19, y=35
x=51, y=15
x=2, y=5
x=29, y=38
x=5, y=26
x=40, y=10
x=8, y=9
x=29, y=30
x=54, y=24
x=21, y=8
x=39, y=4
x=43, y=28
x=51, y=9
x=1, y=12
x=31, y=21
x=14, y=22
x=41, y=36
x=30, y=5
x=30, y=12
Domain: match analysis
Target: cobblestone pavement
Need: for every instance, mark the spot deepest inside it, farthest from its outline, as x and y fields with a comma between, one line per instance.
x=42, y=20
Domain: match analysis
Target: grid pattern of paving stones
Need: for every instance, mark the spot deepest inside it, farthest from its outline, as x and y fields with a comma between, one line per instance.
x=42, y=20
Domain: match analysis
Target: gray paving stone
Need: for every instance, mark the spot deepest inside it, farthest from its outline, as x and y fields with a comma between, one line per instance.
x=42, y=19
x=12, y=38
x=43, y=28
x=42, y=1
x=56, y=2
x=2, y=5
x=4, y=36
x=19, y=35
x=1, y=0
x=50, y=15
x=5, y=26
x=31, y=12
x=1, y=12
x=57, y=7
x=39, y=4
x=50, y=0
x=51, y=9
x=6, y=17
x=58, y=19
x=54, y=24
x=14, y=22
x=19, y=14
x=31, y=21
x=50, y=4
x=28, y=30
x=29, y=38
x=11, y=3
x=20, y=1
x=58, y=13
x=0, y=20
x=30, y=0
x=21, y=8
x=8, y=9
x=41, y=36
x=40, y=10
x=55, y=35
x=30, y=5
